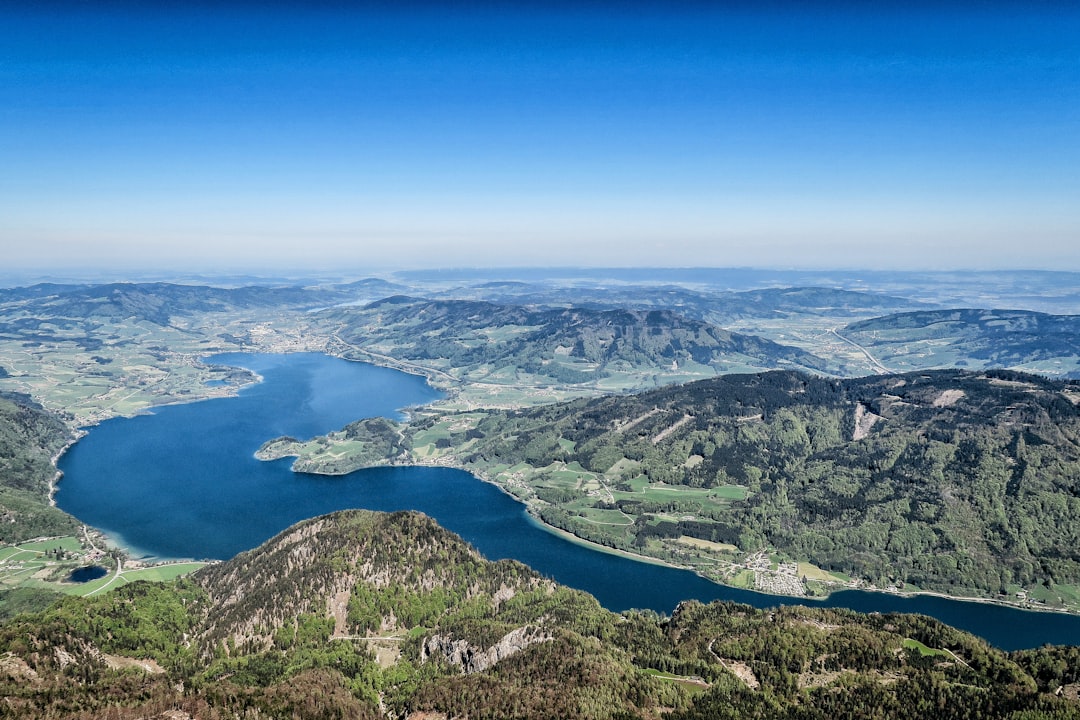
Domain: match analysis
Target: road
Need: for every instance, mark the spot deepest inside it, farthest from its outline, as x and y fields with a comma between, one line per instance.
x=398, y=363
x=874, y=362
x=114, y=578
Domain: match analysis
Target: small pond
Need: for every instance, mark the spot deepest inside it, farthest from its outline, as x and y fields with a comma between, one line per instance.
x=88, y=573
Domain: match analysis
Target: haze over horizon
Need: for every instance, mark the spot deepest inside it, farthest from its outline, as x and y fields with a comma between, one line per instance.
x=227, y=137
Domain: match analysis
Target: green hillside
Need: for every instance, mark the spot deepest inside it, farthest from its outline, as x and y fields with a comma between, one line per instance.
x=482, y=342
x=366, y=615
x=960, y=482
x=29, y=438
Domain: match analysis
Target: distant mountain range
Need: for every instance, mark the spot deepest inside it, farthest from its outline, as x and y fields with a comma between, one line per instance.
x=156, y=302
x=699, y=304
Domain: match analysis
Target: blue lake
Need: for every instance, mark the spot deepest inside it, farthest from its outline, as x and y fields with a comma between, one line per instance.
x=183, y=483
x=86, y=574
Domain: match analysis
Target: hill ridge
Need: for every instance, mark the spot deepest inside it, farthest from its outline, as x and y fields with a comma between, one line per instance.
x=546, y=651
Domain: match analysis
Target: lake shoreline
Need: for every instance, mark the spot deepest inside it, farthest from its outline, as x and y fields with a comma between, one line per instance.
x=534, y=517
x=571, y=537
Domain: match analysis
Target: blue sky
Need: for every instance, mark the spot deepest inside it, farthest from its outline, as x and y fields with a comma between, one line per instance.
x=243, y=136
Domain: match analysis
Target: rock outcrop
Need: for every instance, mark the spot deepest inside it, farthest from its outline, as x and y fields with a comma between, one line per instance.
x=473, y=660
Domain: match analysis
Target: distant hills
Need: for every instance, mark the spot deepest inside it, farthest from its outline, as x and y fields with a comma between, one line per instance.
x=810, y=300
x=156, y=302
x=710, y=305
x=366, y=615
x=566, y=345
x=973, y=338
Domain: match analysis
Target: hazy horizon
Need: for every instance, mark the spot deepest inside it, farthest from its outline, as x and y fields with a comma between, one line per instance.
x=296, y=138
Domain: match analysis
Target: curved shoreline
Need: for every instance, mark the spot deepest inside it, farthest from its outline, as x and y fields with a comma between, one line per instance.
x=78, y=432
x=571, y=537
x=566, y=534
x=58, y=474
x=81, y=431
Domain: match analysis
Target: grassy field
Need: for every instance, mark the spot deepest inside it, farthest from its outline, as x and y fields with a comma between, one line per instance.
x=157, y=573
x=38, y=564
x=708, y=545
x=1055, y=595
x=923, y=650
x=693, y=685
x=813, y=572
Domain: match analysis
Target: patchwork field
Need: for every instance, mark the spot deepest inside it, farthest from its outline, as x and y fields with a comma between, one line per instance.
x=47, y=565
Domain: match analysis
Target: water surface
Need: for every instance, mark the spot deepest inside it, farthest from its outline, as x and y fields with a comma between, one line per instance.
x=86, y=574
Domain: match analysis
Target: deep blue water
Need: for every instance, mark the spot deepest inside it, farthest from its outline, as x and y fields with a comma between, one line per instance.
x=183, y=482
x=88, y=573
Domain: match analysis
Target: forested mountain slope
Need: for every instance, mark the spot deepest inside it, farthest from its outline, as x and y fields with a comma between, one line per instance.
x=948, y=480
x=365, y=615
x=29, y=438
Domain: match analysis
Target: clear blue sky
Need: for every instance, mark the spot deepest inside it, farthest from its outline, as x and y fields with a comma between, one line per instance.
x=224, y=136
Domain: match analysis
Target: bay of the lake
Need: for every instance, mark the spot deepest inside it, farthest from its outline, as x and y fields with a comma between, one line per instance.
x=183, y=482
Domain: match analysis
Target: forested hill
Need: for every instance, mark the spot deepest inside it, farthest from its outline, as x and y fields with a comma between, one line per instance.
x=29, y=438
x=963, y=482
x=365, y=615
x=569, y=345
x=698, y=304
x=153, y=302
x=1049, y=344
